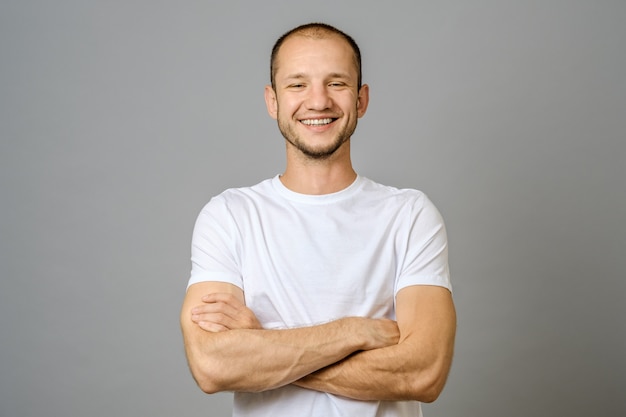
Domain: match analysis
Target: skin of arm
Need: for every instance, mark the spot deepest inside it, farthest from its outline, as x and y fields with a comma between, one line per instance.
x=414, y=369
x=249, y=358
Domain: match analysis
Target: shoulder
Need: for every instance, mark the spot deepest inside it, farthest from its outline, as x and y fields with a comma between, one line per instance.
x=408, y=203
x=233, y=198
x=400, y=196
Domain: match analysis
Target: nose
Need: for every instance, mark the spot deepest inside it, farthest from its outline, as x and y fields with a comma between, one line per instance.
x=318, y=98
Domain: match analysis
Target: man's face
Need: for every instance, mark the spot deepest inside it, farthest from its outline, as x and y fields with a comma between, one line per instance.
x=316, y=101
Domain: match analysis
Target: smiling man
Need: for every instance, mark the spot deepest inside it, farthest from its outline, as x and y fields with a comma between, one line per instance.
x=317, y=85
x=319, y=292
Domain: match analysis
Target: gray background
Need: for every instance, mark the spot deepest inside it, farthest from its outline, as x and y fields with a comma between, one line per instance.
x=119, y=120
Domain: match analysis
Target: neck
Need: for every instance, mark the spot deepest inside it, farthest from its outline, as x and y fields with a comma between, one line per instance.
x=310, y=176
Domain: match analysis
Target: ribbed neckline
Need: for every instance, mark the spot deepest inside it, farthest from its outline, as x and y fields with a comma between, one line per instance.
x=347, y=192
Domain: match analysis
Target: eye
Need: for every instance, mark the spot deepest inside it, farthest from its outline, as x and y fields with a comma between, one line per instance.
x=336, y=84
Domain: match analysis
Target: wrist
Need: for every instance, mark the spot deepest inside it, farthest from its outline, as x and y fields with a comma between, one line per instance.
x=356, y=331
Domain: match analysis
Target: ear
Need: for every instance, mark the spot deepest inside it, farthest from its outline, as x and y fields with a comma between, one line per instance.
x=363, y=100
x=270, y=102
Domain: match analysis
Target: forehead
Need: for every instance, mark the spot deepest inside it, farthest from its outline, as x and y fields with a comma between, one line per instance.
x=311, y=55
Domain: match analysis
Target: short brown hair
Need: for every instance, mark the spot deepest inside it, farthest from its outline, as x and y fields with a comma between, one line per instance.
x=317, y=31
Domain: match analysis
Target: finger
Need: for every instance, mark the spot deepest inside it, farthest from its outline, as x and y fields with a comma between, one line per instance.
x=226, y=310
x=222, y=297
x=228, y=304
x=242, y=319
x=218, y=319
x=212, y=327
x=216, y=306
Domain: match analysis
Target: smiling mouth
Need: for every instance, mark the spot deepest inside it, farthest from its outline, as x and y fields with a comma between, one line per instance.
x=317, y=122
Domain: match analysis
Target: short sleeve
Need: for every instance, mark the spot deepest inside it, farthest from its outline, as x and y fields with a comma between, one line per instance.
x=214, y=246
x=426, y=253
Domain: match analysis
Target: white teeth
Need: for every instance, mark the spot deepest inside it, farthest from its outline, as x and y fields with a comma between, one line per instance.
x=316, y=122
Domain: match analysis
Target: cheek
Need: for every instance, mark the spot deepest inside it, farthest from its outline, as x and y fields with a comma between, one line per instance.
x=348, y=104
x=288, y=110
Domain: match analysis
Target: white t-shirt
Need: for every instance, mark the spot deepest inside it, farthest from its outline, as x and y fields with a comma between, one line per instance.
x=308, y=259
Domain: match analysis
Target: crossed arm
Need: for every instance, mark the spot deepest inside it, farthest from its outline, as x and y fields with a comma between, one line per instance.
x=356, y=357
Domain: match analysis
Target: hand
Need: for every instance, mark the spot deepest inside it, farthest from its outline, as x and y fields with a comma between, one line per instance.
x=381, y=333
x=223, y=311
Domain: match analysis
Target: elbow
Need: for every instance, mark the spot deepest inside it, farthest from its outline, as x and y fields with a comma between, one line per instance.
x=425, y=391
x=428, y=386
x=208, y=378
x=213, y=374
x=428, y=383
x=206, y=369
x=219, y=380
x=430, y=394
x=208, y=386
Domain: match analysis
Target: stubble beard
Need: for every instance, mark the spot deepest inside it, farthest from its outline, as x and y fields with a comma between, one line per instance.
x=315, y=153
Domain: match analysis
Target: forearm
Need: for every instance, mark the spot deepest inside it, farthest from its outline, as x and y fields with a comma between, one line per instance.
x=257, y=360
x=414, y=369
x=381, y=374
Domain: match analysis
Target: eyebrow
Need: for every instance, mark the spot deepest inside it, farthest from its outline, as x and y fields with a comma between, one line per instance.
x=300, y=76
x=297, y=76
x=339, y=75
